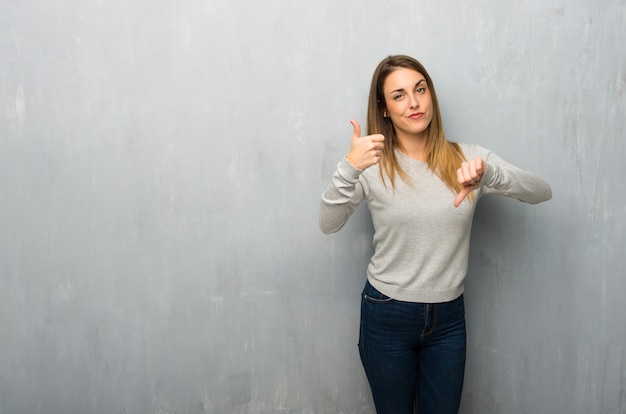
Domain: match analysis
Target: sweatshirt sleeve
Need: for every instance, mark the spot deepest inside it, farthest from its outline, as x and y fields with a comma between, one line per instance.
x=504, y=178
x=341, y=198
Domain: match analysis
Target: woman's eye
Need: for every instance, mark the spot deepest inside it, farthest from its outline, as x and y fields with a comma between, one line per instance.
x=420, y=90
x=397, y=97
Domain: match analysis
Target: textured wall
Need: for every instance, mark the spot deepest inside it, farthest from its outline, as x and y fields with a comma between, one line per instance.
x=161, y=163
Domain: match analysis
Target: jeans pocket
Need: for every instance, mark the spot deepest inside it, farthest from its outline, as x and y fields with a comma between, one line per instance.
x=371, y=294
x=376, y=300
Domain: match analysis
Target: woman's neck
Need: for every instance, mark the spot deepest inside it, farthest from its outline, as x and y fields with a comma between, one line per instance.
x=413, y=146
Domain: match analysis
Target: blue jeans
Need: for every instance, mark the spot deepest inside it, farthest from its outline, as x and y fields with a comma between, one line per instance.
x=413, y=353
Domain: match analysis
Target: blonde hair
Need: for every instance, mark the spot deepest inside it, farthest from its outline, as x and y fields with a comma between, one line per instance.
x=443, y=157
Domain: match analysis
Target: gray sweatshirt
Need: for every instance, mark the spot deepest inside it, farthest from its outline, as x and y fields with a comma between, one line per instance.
x=421, y=241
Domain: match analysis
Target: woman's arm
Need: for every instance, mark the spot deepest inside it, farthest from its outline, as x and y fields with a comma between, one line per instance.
x=341, y=198
x=504, y=178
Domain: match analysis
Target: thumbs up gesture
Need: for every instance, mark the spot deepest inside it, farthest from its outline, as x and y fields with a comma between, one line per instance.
x=364, y=151
x=469, y=175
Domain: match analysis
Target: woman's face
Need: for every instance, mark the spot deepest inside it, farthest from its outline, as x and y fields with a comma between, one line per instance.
x=408, y=102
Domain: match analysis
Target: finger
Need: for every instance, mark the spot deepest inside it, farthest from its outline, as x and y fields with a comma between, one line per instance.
x=459, y=175
x=461, y=196
x=377, y=138
x=357, y=129
x=378, y=145
x=468, y=177
x=480, y=168
x=472, y=170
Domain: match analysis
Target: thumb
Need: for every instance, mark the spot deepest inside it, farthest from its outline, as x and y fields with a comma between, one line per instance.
x=461, y=196
x=357, y=129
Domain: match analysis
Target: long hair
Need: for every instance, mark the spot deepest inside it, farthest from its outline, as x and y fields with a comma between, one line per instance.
x=443, y=157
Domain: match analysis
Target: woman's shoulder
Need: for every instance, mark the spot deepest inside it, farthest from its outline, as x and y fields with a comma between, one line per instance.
x=472, y=151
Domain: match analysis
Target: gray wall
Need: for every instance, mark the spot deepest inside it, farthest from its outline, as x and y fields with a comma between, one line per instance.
x=161, y=163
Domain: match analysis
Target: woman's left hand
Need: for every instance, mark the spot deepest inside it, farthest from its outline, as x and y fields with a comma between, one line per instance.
x=469, y=176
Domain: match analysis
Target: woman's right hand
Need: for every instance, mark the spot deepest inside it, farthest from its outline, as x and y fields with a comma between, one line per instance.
x=364, y=151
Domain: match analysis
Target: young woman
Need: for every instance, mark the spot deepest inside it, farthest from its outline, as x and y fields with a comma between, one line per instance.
x=421, y=191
